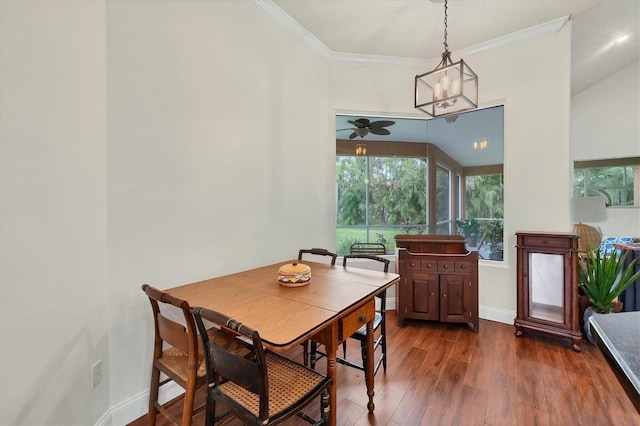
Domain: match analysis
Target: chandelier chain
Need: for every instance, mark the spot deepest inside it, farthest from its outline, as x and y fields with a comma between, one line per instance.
x=446, y=45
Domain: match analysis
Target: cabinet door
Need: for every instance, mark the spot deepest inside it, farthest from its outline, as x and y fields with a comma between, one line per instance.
x=425, y=296
x=455, y=297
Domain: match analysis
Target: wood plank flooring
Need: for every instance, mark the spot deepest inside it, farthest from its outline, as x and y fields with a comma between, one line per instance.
x=445, y=374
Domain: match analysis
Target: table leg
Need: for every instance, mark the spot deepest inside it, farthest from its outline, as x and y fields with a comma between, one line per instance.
x=330, y=340
x=369, y=364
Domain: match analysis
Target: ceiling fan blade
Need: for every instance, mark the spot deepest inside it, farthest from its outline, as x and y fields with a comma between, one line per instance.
x=350, y=128
x=352, y=135
x=379, y=131
x=354, y=123
x=383, y=123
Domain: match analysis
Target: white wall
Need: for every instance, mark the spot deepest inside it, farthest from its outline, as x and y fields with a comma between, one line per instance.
x=53, y=241
x=537, y=165
x=605, y=123
x=218, y=158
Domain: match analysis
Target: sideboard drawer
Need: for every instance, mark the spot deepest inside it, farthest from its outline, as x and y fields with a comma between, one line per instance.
x=412, y=264
x=430, y=265
x=446, y=266
x=356, y=319
x=463, y=267
x=546, y=241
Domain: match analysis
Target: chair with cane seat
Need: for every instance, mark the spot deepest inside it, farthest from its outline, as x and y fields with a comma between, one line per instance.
x=178, y=355
x=379, y=323
x=264, y=388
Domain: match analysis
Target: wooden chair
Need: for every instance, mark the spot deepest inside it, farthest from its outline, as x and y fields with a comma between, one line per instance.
x=315, y=252
x=182, y=361
x=265, y=388
x=318, y=252
x=379, y=323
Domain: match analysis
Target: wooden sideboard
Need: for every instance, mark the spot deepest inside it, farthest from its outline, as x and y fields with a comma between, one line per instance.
x=438, y=279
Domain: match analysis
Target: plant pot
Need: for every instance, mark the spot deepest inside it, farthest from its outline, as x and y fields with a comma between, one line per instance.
x=588, y=312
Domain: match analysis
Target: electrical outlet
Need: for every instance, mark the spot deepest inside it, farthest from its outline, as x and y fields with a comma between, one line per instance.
x=96, y=374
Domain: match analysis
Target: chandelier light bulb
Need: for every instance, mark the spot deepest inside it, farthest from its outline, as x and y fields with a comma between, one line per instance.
x=455, y=87
x=446, y=82
x=437, y=91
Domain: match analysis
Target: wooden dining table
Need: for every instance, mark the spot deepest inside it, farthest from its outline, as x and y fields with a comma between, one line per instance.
x=337, y=301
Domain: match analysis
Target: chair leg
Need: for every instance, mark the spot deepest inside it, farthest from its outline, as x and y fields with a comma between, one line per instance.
x=153, y=396
x=314, y=349
x=363, y=349
x=305, y=353
x=189, y=399
x=210, y=413
x=344, y=349
x=325, y=407
x=383, y=330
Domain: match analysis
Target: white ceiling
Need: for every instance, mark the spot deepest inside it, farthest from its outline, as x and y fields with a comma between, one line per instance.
x=393, y=30
x=414, y=28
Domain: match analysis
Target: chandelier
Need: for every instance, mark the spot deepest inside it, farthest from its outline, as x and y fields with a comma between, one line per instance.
x=449, y=88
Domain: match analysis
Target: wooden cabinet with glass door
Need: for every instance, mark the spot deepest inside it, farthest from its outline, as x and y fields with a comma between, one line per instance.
x=547, y=284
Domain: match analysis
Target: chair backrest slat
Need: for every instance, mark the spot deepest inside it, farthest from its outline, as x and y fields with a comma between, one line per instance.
x=318, y=252
x=241, y=371
x=367, y=256
x=368, y=248
x=173, y=333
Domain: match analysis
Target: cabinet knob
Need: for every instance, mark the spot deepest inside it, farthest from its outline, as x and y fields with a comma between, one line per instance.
x=463, y=266
x=413, y=264
x=446, y=266
x=362, y=318
x=433, y=294
x=444, y=295
x=428, y=265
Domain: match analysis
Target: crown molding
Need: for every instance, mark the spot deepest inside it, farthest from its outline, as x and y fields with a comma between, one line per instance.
x=526, y=35
x=281, y=19
x=276, y=15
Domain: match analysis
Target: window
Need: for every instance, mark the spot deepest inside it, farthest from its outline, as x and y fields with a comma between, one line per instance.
x=613, y=179
x=440, y=182
x=443, y=200
x=377, y=198
x=483, y=226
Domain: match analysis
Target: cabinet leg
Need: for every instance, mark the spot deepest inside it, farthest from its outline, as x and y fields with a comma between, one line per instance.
x=575, y=344
x=518, y=331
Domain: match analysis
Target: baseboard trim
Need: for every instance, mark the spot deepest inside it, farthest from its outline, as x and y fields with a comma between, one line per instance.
x=496, y=314
x=137, y=406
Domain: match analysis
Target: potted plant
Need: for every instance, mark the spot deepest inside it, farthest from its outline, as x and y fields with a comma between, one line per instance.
x=492, y=235
x=470, y=230
x=602, y=279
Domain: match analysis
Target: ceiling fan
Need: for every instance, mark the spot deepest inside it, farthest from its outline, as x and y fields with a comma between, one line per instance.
x=363, y=126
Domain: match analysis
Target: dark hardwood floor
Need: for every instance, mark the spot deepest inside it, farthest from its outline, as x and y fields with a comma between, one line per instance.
x=445, y=374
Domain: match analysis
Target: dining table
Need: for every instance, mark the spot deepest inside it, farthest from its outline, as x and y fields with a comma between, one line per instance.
x=337, y=301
